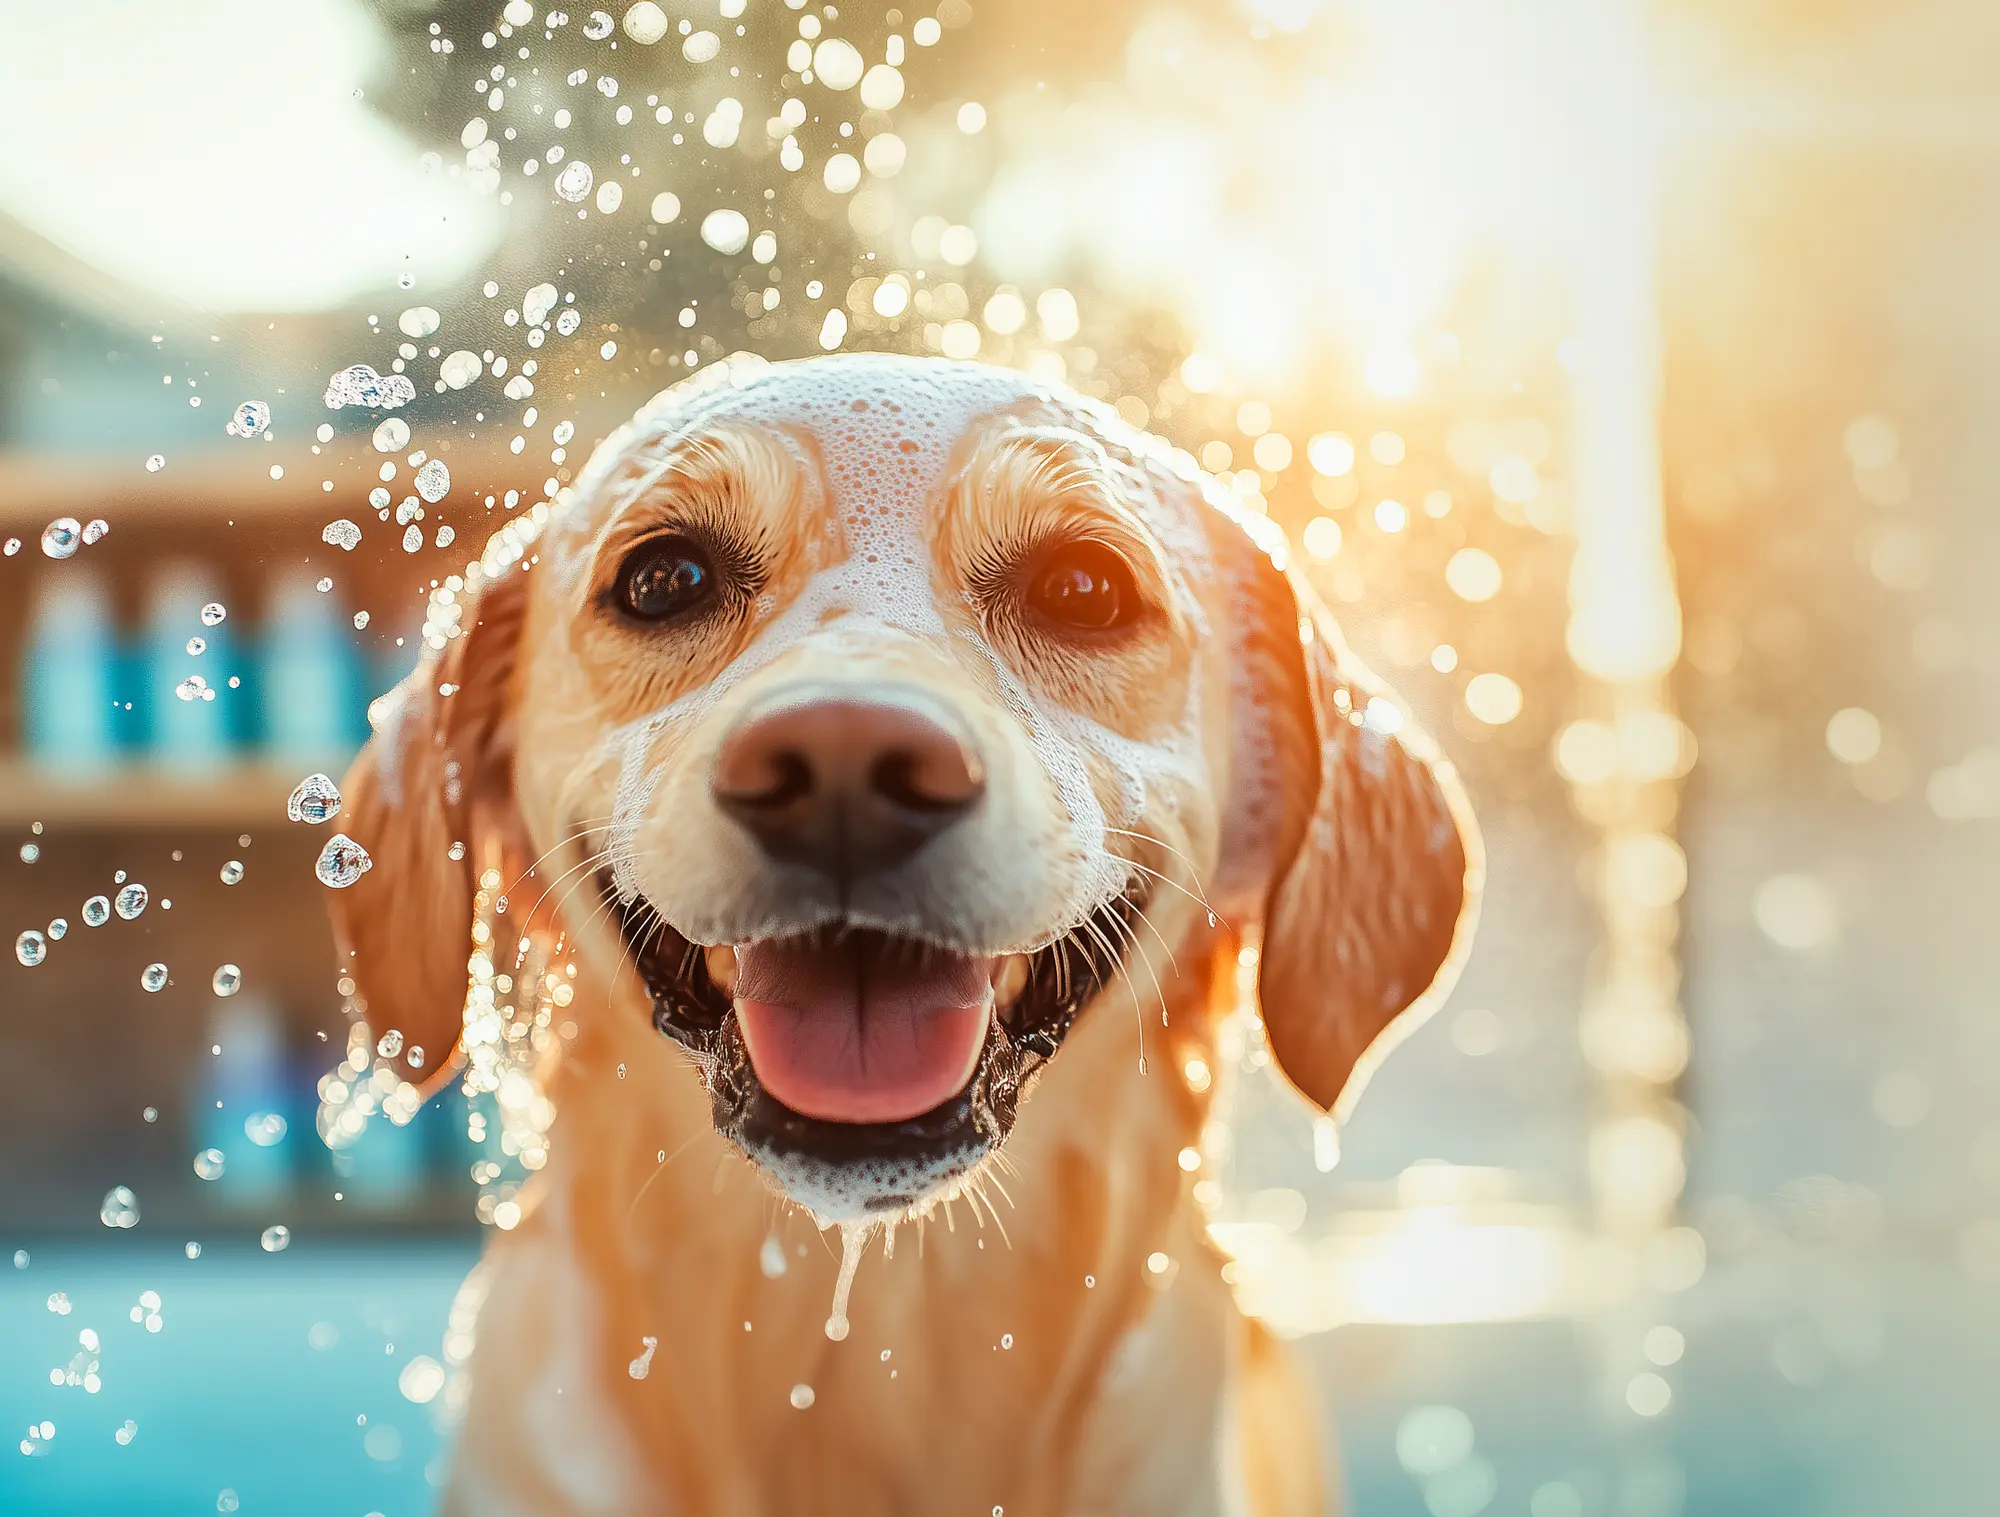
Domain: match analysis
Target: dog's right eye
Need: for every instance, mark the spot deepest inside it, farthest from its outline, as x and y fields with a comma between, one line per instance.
x=664, y=579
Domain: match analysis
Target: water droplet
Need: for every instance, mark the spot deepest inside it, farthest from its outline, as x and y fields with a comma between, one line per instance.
x=197, y=646
x=316, y=799
x=193, y=1249
x=726, y=231
x=209, y=1164
x=392, y=436
x=1006, y=1340
x=771, y=1258
x=266, y=1129
x=565, y=430
x=194, y=687
x=95, y=530
x=96, y=911
x=802, y=1396
x=126, y=1432
x=642, y=1366
x=433, y=480
x=58, y=929
x=213, y=613
x=11, y=546
x=155, y=462
x=120, y=1208
x=568, y=322
x=131, y=900
x=276, y=1238
x=342, y=861
x=251, y=418
x=599, y=25
x=30, y=852
x=362, y=386
x=459, y=369
x=152, y=977
x=226, y=980
x=573, y=183
x=342, y=534
x=31, y=948
x=61, y=536
x=226, y=1501
x=1090, y=1282
x=389, y=1044
x=360, y=620
x=445, y=537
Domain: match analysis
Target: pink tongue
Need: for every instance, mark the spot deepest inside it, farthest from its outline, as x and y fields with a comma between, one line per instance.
x=859, y=1030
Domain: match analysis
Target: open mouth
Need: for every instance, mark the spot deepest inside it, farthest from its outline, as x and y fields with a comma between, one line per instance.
x=864, y=1070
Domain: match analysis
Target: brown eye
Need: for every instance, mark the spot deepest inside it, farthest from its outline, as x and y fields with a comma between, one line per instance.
x=665, y=579
x=1084, y=585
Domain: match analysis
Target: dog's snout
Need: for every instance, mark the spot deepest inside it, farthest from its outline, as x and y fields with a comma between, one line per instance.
x=846, y=783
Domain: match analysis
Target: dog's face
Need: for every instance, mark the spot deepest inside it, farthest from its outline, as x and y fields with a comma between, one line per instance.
x=886, y=709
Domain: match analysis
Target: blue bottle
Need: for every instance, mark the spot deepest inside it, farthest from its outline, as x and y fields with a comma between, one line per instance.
x=69, y=677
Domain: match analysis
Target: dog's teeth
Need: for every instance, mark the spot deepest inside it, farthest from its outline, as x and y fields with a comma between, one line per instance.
x=722, y=967
x=1010, y=978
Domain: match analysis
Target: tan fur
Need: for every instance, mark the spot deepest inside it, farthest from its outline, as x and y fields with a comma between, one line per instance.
x=1034, y=1364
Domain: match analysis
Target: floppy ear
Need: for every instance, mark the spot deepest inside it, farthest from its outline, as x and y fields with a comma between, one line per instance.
x=435, y=780
x=1369, y=860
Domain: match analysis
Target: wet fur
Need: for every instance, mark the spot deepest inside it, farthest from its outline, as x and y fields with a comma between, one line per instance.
x=1123, y=1391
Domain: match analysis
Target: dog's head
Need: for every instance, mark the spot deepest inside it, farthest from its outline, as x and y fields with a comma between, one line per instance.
x=877, y=711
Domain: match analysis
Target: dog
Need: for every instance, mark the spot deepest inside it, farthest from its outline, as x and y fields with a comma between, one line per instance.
x=910, y=755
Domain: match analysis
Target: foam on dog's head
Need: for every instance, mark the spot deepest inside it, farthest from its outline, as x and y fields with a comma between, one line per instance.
x=886, y=432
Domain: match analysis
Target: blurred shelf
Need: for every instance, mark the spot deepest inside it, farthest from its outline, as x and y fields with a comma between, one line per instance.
x=143, y=796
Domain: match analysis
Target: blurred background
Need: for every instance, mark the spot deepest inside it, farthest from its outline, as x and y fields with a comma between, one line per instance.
x=1621, y=370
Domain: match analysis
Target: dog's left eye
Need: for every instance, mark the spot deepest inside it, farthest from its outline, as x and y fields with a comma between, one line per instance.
x=1084, y=585
x=665, y=579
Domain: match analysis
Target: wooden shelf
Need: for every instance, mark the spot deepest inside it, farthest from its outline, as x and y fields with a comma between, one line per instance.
x=143, y=796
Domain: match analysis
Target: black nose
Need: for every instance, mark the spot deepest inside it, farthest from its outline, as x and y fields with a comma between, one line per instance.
x=848, y=784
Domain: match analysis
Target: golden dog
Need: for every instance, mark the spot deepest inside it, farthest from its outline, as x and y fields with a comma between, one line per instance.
x=906, y=751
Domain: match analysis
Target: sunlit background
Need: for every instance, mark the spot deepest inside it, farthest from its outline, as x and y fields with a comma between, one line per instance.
x=1621, y=370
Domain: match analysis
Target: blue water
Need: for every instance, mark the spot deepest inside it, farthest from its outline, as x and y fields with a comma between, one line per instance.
x=230, y=1394
x=1823, y=1383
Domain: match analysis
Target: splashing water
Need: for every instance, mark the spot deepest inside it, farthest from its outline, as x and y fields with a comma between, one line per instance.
x=61, y=537
x=341, y=862
x=854, y=1238
x=120, y=1208
x=131, y=900
x=153, y=977
x=315, y=799
x=227, y=980
x=642, y=1366
x=275, y=1239
x=30, y=948
x=251, y=418
x=96, y=911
